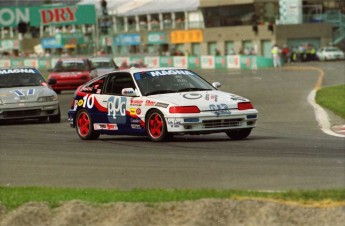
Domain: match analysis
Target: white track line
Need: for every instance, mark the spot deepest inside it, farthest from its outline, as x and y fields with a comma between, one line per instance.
x=321, y=115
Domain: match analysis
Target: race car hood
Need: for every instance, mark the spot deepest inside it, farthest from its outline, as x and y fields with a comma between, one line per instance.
x=202, y=99
x=24, y=94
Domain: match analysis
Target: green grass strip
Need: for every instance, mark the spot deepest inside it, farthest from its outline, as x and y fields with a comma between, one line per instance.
x=12, y=197
x=332, y=98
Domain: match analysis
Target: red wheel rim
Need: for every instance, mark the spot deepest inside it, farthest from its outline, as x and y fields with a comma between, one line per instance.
x=155, y=125
x=83, y=124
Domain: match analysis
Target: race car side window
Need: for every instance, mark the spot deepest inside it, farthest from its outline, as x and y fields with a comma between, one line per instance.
x=94, y=87
x=119, y=81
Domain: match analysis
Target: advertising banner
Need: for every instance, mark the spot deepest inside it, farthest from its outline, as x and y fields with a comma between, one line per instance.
x=127, y=40
x=233, y=61
x=193, y=62
x=152, y=61
x=290, y=11
x=50, y=43
x=44, y=63
x=9, y=44
x=220, y=62
x=207, y=62
x=30, y=62
x=70, y=38
x=248, y=62
x=186, y=36
x=180, y=61
x=156, y=38
x=121, y=61
x=5, y=63
x=17, y=62
x=48, y=15
x=166, y=61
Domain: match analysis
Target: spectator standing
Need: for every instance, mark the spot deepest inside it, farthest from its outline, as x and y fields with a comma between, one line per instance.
x=276, y=56
x=286, y=54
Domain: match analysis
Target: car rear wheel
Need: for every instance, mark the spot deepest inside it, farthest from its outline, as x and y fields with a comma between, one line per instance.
x=238, y=134
x=84, y=126
x=156, y=127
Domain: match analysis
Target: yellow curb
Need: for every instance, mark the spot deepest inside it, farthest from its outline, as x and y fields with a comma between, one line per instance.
x=318, y=84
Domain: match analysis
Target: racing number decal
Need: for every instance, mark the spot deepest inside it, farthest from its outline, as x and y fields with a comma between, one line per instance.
x=220, y=109
x=30, y=92
x=117, y=109
x=20, y=92
x=89, y=101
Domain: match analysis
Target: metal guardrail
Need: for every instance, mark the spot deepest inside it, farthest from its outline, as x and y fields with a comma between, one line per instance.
x=337, y=20
x=339, y=34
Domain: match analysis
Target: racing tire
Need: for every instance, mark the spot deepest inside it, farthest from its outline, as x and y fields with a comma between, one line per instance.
x=156, y=127
x=238, y=134
x=84, y=126
x=55, y=118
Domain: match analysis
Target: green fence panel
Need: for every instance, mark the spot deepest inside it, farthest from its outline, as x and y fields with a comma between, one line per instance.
x=136, y=59
x=194, y=62
x=44, y=63
x=17, y=62
x=166, y=61
x=220, y=62
x=248, y=62
x=5, y=63
x=264, y=62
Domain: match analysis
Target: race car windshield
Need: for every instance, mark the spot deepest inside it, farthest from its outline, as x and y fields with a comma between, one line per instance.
x=170, y=81
x=67, y=66
x=20, y=80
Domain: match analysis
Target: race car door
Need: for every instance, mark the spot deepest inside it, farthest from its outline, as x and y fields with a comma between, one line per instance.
x=117, y=104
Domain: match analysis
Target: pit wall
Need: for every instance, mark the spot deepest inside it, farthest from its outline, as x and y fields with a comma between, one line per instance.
x=191, y=62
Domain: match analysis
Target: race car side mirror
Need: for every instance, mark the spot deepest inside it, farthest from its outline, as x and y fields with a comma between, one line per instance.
x=52, y=81
x=216, y=85
x=129, y=92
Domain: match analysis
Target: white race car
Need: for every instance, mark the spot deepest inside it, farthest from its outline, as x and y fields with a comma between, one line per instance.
x=24, y=94
x=158, y=103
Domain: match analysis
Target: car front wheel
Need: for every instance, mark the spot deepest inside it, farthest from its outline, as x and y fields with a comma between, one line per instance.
x=156, y=126
x=84, y=126
x=238, y=134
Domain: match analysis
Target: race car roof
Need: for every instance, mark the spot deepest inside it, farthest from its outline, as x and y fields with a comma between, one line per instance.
x=135, y=70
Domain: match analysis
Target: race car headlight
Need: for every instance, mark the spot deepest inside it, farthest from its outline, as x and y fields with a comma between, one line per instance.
x=47, y=99
x=184, y=109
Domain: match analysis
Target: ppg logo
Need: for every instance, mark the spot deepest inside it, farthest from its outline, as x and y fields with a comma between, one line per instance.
x=117, y=110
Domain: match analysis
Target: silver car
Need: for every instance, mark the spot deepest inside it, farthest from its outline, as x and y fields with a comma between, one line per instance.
x=102, y=65
x=25, y=94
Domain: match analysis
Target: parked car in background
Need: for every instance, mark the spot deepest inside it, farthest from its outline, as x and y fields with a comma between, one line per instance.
x=158, y=103
x=330, y=53
x=102, y=65
x=24, y=94
x=69, y=73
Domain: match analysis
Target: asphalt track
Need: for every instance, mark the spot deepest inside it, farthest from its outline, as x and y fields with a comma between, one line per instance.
x=289, y=149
